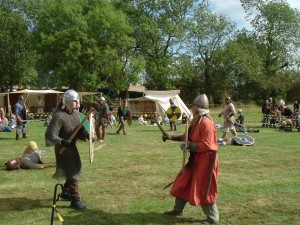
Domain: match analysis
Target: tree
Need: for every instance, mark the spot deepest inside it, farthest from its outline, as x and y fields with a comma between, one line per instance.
x=242, y=64
x=276, y=30
x=207, y=33
x=85, y=44
x=158, y=29
x=17, y=59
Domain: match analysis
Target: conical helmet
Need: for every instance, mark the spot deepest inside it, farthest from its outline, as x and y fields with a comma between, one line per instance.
x=201, y=102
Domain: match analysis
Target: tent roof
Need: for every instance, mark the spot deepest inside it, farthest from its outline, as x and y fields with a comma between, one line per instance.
x=28, y=91
x=88, y=93
x=162, y=98
x=137, y=88
x=161, y=94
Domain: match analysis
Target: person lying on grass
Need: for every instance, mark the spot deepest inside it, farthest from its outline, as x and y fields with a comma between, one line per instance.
x=31, y=159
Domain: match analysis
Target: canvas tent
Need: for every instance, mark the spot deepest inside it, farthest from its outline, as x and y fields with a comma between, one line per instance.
x=51, y=99
x=156, y=102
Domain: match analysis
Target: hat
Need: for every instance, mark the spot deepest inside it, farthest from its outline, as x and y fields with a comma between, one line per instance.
x=30, y=147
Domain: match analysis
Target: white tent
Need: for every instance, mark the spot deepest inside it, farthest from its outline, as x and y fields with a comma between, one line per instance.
x=156, y=101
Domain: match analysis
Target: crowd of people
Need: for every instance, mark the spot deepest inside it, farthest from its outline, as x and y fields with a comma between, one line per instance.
x=279, y=115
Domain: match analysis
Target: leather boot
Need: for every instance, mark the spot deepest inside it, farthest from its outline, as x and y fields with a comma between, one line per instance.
x=77, y=204
x=75, y=198
x=17, y=136
x=65, y=195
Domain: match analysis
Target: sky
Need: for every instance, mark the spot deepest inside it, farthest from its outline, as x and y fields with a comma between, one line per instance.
x=234, y=10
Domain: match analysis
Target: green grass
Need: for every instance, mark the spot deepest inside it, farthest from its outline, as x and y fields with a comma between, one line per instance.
x=124, y=185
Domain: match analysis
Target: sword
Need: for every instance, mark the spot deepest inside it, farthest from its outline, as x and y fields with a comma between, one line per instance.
x=159, y=126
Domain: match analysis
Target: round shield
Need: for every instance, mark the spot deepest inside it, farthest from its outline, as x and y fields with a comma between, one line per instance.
x=243, y=140
x=91, y=135
x=173, y=113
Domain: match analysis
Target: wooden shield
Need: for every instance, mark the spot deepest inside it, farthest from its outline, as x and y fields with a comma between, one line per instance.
x=91, y=135
x=129, y=119
x=173, y=113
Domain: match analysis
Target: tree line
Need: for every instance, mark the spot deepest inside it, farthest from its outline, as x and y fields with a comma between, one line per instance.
x=163, y=44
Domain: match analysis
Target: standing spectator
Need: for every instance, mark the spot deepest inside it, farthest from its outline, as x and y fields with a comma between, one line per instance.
x=68, y=163
x=228, y=114
x=102, y=119
x=39, y=105
x=296, y=106
x=173, y=123
x=21, y=112
x=123, y=114
x=265, y=109
x=197, y=184
x=274, y=113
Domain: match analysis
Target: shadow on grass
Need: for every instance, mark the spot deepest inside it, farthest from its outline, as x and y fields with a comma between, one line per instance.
x=100, y=217
x=20, y=204
x=7, y=137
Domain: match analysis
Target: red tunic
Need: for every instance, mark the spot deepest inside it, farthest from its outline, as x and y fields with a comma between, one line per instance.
x=191, y=184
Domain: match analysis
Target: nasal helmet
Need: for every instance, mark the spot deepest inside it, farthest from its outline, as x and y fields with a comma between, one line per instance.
x=69, y=97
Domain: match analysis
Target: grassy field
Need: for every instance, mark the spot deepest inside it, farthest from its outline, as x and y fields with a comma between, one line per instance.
x=124, y=185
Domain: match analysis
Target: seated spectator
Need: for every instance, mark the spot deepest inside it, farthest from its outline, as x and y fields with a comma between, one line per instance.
x=286, y=111
x=165, y=119
x=112, y=119
x=31, y=159
x=4, y=122
x=142, y=121
x=159, y=119
x=239, y=122
x=286, y=125
x=13, y=122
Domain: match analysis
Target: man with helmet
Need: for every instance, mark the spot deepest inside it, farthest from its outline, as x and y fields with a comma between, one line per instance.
x=21, y=111
x=173, y=124
x=228, y=113
x=197, y=183
x=102, y=119
x=68, y=164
